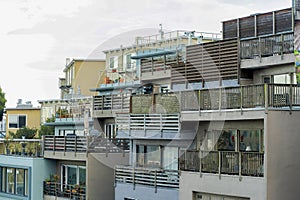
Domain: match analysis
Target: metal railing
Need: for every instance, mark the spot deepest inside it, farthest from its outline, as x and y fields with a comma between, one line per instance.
x=267, y=46
x=63, y=190
x=176, y=35
x=74, y=111
x=223, y=162
x=147, y=176
x=83, y=144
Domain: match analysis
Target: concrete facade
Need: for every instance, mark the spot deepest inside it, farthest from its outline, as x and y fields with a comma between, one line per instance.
x=100, y=174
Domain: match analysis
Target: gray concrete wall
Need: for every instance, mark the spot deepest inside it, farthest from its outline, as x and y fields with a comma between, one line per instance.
x=100, y=174
x=144, y=192
x=274, y=70
x=249, y=187
x=283, y=160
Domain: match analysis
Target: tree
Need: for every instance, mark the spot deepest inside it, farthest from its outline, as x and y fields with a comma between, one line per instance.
x=47, y=130
x=29, y=133
x=2, y=103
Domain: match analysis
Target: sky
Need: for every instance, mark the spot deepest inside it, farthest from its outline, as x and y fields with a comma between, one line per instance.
x=36, y=36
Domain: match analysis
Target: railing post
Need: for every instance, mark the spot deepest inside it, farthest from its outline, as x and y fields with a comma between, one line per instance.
x=64, y=145
x=144, y=125
x=87, y=145
x=53, y=144
x=259, y=48
x=291, y=98
x=160, y=125
x=266, y=93
x=282, y=46
x=133, y=177
x=102, y=107
x=129, y=125
x=200, y=167
x=199, y=101
x=75, y=145
x=220, y=160
x=241, y=100
x=111, y=104
x=220, y=99
x=155, y=180
x=240, y=166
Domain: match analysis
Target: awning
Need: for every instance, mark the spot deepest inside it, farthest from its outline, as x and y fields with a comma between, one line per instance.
x=153, y=54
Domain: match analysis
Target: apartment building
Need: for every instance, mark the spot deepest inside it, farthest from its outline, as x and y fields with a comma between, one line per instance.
x=80, y=75
x=23, y=115
x=227, y=128
x=123, y=109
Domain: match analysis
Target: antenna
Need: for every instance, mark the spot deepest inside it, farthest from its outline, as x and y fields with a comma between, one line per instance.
x=161, y=32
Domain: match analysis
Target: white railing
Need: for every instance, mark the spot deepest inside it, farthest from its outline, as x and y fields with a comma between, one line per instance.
x=147, y=176
x=148, y=122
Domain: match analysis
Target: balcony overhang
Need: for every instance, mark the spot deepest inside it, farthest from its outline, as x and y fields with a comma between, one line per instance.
x=260, y=63
x=154, y=54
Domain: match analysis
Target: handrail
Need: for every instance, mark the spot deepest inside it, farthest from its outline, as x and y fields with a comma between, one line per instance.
x=83, y=144
x=267, y=46
x=147, y=176
x=64, y=190
x=223, y=162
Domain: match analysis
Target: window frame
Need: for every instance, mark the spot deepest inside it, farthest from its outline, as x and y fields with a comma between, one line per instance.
x=18, y=121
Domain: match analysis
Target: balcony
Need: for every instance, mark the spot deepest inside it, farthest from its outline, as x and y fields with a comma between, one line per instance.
x=107, y=105
x=158, y=126
x=268, y=50
x=267, y=96
x=262, y=96
x=64, y=191
x=147, y=177
x=224, y=162
x=77, y=147
x=22, y=147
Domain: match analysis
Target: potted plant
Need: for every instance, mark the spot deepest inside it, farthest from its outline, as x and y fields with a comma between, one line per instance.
x=7, y=144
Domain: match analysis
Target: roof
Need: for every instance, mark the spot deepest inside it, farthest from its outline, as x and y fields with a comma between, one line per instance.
x=82, y=60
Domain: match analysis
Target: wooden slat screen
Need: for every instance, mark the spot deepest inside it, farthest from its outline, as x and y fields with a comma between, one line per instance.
x=208, y=62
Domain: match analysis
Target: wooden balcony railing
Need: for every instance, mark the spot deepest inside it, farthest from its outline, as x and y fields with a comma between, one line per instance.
x=223, y=162
x=64, y=191
x=267, y=96
x=147, y=176
x=110, y=103
x=241, y=97
x=82, y=144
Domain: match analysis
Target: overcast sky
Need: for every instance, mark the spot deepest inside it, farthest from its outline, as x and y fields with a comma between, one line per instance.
x=36, y=36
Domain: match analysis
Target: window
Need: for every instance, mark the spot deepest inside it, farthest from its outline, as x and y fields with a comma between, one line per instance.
x=73, y=175
x=10, y=184
x=227, y=140
x=170, y=158
x=14, y=181
x=113, y=62
x=149, y=156
x=110, y=131
x=128, y=63
x=251, y=140
x=16, y=121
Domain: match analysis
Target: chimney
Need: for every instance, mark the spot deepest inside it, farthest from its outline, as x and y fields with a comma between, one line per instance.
x=68, y=61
